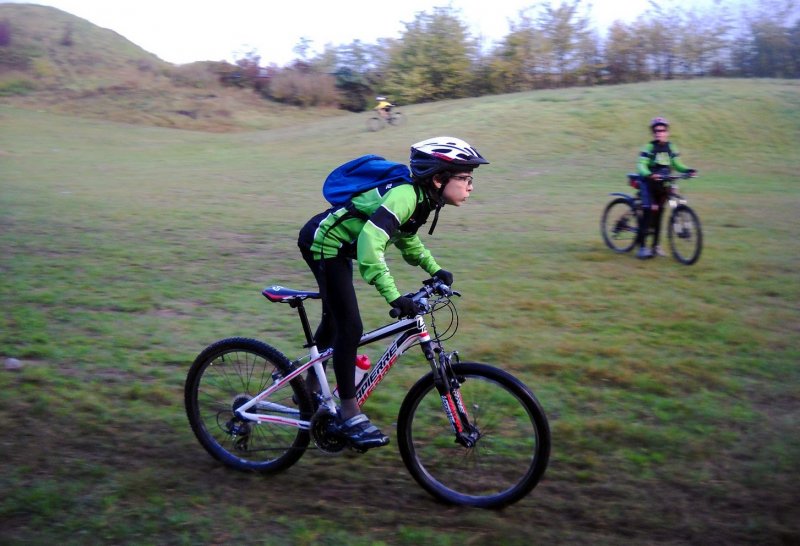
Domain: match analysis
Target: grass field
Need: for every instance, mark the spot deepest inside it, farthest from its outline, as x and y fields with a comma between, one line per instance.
x=672, y=391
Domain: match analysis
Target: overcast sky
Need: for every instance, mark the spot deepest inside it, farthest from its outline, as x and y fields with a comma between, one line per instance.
x=183, y=31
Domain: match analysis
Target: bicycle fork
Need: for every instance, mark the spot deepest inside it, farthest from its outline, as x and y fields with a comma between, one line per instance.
x=448, y=387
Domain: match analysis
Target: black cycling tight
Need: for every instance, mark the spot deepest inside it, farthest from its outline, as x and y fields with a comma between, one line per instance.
x=652, y=192
x=341, y=325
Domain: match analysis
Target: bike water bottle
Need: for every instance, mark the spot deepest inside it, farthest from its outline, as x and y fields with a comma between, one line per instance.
x=362, y=369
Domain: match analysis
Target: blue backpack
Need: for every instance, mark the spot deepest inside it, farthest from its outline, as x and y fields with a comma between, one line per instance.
x=362, y=174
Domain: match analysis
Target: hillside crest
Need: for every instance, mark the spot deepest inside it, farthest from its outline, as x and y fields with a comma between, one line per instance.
x=54, y=61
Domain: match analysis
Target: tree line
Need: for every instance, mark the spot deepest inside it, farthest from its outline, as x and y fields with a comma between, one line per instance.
x=548, y=45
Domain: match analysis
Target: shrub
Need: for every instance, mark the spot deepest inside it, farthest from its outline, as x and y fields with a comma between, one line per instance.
x=16, y=87
x=303, y=89
x=5, y=33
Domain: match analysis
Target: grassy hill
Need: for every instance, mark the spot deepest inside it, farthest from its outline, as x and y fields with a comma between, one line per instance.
x=672, y=391
x=64, y=64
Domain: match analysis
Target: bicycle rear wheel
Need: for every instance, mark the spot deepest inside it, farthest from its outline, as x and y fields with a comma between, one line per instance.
x=619, y=225
x=222, y=378
x=511, y=452
x=685, y=235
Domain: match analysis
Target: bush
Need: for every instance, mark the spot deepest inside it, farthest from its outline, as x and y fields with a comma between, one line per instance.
x=195, y=75
x=303, y=89
x=16, y=87
x=14, y=59
x=5, y=33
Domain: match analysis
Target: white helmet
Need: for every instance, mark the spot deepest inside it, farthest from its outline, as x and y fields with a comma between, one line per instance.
x=437, y=154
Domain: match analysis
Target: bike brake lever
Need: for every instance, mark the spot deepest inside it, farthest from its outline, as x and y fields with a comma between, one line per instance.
x=447, y=291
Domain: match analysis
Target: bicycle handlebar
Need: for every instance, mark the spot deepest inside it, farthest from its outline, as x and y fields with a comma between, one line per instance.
x=430, y=287
x=682, y=176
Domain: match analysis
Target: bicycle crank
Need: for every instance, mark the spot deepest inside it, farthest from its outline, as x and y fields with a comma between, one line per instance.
x=322, y=432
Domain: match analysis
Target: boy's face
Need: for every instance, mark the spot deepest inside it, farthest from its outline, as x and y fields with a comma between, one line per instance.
x=661, y=133
x=457, y=190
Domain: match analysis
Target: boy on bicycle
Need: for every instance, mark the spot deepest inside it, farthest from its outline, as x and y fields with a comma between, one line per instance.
x=656, y=161
x=441, y=174
x=383, y=108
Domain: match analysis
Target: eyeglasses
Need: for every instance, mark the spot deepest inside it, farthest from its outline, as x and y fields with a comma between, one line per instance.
x=464, y=177
x=660, y=130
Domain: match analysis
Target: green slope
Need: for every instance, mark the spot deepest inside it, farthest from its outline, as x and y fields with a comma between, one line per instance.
x=671, y=390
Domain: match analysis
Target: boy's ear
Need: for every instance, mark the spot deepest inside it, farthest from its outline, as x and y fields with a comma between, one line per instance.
x=437, y=181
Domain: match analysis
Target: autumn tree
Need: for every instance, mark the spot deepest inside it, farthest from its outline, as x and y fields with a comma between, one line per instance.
x=772, y=54
x=564, y=28
x=549, y=44
x=432, y=60
x=516, y=64
x=623, y=54
x=768, y=41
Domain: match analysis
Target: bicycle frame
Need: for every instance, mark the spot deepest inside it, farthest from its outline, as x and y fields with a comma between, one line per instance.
x=673, y=198
x=408, y=333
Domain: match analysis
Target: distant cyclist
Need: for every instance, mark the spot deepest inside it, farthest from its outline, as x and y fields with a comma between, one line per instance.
x=441, y=174
x=656, y=161
x=383, y=108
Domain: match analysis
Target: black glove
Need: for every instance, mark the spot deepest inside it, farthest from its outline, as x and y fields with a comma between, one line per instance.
x=445, y=276
x=406, y=306
x=692, y=173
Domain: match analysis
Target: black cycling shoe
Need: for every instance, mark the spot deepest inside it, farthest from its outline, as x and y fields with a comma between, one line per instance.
x=360, y=433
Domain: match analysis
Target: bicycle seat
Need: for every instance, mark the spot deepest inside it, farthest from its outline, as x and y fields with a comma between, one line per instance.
x=280, y=294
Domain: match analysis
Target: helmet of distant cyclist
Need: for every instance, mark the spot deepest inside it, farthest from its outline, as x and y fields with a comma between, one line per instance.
x=655, y=122
x=444, y=153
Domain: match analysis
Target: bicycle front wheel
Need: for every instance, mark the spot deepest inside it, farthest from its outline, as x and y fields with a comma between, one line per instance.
x=230, y=373
x=512, y=447
x=685, y=235
x=375, y=124
x=619, y=225
x=397, y=119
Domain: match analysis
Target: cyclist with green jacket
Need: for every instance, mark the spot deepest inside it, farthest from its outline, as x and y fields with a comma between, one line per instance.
x=390, y=214
x=656, y=161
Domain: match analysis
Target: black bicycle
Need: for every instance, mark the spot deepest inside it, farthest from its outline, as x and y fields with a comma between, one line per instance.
x=619, y=224
x=469, y=433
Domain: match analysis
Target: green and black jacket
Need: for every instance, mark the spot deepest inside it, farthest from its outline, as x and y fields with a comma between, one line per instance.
x=365, y=228
x=657, y=156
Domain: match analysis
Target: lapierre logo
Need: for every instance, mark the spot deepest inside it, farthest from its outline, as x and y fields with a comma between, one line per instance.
x=379, y=371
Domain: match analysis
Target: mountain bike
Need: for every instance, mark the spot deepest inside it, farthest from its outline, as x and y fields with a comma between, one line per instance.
x=619, y=224
x=377, y=122
x=468, y=433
